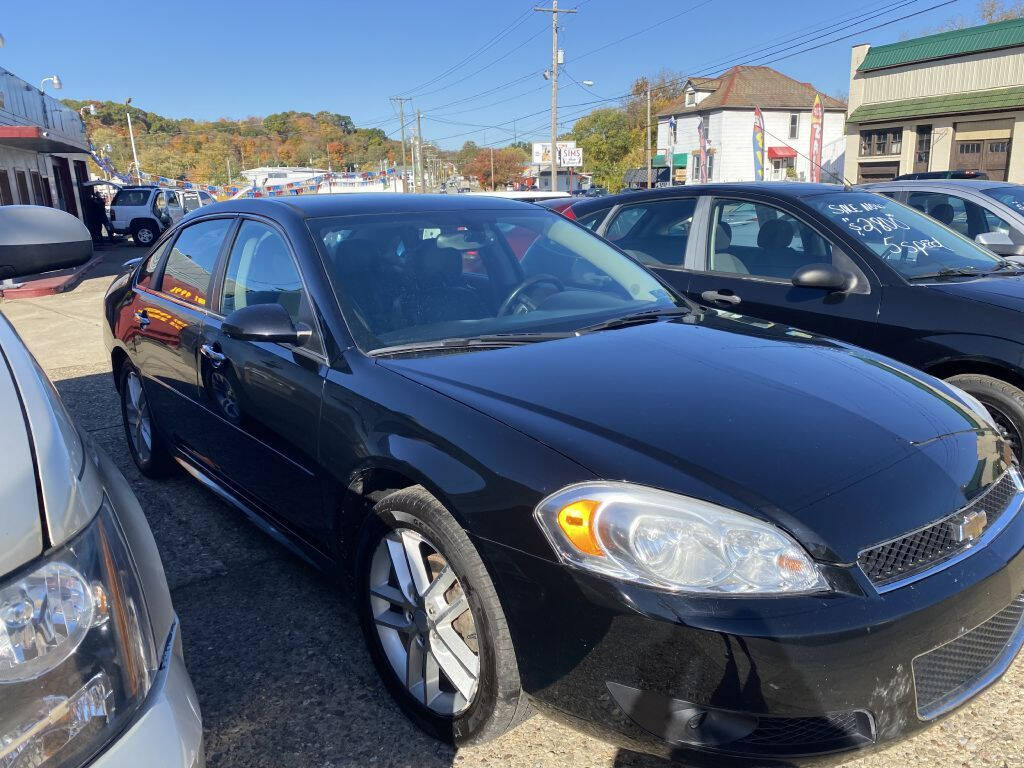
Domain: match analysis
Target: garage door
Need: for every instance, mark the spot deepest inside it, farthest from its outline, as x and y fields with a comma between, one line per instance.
x=869, y=172
x=982, y=146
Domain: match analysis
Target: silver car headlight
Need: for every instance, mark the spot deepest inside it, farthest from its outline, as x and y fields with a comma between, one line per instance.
x=673, y=542
x=77, y=656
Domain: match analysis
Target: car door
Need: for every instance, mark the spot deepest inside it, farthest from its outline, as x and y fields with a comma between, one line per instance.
x=175, y=209
x=263, y=399
x=748, y=253
x=165, y=318
x=190, y=201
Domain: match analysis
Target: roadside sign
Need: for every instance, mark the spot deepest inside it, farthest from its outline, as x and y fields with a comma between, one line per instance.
x=542, y=150
x=570, y=157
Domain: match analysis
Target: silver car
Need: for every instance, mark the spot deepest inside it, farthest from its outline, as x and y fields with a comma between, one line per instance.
x=91, y=667
x=988, y=212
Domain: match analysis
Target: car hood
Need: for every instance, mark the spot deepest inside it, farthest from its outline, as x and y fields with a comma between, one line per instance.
x=842, y=447
x=21, y=532
x=1006, y=292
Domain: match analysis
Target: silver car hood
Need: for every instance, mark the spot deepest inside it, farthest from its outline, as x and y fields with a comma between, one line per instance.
x=21, y=531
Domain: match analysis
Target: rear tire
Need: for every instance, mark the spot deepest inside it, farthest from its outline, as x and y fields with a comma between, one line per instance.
x=145, y=443
x=413, y=521
x=145, y=233
x=1003, y=400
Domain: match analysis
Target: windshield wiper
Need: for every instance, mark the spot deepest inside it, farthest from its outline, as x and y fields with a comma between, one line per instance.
x=492, y=340
x=1015, y=266
x=636, y=318
x=950, y=272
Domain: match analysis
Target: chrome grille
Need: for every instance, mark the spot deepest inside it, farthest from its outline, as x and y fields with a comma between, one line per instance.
x=954, y=671
x=920, y=550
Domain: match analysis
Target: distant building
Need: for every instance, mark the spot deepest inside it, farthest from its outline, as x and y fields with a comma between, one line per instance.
x=339, y=182
x=951, y=101
x=726, y=106
x=43, y=148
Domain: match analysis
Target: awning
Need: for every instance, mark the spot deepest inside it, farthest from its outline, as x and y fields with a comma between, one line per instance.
x=777, y=153
x=661, y=161
x=35, y=139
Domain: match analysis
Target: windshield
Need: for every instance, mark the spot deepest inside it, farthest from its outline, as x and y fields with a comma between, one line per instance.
x=915, y=245
x=1011, y=197
x=421, y=277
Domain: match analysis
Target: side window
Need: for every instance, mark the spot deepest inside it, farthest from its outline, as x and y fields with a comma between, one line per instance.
x=994, y=223
x=623, y=222
x=172, y=200
x=207, y=198
x=261, y=270
x=192, y=259
x=593, y=220
x=762, y=241
x=191, y=201
x=656, y=232
x=150, y=265
x=964, y=216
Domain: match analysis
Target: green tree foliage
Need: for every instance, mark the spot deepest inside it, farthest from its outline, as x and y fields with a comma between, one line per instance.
x=508, y=166
x=199, y=150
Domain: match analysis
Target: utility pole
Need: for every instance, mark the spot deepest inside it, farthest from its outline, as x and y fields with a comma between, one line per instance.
x=649, y=180
x=131, y=135
x=401, y=119
x=419, y=150
x=553, y=10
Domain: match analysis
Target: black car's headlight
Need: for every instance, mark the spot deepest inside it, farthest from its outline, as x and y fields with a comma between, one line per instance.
x=77, y=656
x=673, y=542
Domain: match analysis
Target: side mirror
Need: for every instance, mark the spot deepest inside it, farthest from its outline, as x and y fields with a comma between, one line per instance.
x=34, y=238
x=265, y=322
x=824, y=276
x=1000, y=244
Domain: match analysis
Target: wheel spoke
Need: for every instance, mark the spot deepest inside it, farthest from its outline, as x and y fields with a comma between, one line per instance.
x=441, y=584
x=417, y=565
x=393, y=620
x=431, y=677
x=453, y=611
x=400, y=564
x=391, y=594
x=414, y=666
x=459, y=664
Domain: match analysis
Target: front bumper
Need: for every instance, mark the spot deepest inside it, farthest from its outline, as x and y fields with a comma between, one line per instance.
x=167, y=732
x=717, y=681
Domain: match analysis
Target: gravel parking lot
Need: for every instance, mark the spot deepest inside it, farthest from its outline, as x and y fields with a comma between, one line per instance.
x=276, y=654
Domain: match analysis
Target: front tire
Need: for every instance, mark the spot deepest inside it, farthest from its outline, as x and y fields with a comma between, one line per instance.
x=1003, y=400
x=433, y=624
x=145, y=444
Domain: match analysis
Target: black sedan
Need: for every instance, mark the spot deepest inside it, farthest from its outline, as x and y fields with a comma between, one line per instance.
x=554, y=480
x=851, y=265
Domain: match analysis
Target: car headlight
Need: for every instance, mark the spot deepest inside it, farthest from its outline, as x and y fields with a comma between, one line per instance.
x=673, y=542
x=77, y=656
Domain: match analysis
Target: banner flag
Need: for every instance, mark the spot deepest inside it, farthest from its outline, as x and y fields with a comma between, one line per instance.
x=817, y=114
x=758, y=140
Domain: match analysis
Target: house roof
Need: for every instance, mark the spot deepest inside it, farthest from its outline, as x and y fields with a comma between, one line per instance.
x=994, y=99
x=748, y=87
x=958, y=42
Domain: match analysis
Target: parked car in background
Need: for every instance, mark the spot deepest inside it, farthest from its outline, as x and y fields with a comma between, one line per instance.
x=554, y=478
x=942, y=175
x=849, y=264
x=989, y=212
x=91, y=669
x=145, y=211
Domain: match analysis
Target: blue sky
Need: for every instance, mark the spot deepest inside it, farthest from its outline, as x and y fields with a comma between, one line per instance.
x=221, y=58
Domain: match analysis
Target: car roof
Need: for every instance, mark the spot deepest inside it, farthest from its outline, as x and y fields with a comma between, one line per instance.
x=369, y=203
x=966, y=183
x=789, y=189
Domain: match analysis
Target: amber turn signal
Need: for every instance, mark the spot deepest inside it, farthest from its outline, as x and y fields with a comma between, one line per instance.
x=576, y=521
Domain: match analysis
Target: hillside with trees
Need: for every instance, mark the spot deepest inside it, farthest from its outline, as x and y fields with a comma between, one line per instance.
x=200, y=151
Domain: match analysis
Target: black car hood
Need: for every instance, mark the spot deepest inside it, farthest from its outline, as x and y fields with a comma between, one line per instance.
x=1006, y=291
x=767, y=420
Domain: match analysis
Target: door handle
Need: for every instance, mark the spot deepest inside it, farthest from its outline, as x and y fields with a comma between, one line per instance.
x=216, y=358
x=715, y=296
x=142, y=318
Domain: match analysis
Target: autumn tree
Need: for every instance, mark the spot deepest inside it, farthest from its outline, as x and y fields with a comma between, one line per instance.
x=508, y=166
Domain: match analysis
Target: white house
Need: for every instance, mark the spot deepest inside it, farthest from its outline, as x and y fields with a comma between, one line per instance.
x=726, y=106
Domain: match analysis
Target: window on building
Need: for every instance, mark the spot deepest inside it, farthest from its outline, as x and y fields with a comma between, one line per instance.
x=970, y=147
x=37, y=189
x=691, y=98
x=711, y=166
x=47, y=194
x=6, y=198
x=997, y=147
x=884, y=141
x=22, y=181
x=924, y=145
x=794, y=125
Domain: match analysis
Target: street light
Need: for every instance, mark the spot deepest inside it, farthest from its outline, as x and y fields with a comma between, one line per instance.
x=588, y=83
x=55, y=79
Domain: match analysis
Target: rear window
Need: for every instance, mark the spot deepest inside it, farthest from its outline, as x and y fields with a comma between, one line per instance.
x=131, y=197
x=192, y=259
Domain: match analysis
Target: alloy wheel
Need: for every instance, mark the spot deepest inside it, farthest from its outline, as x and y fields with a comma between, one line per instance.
x=136, y=412
x=145, y=236
x=424, y=622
